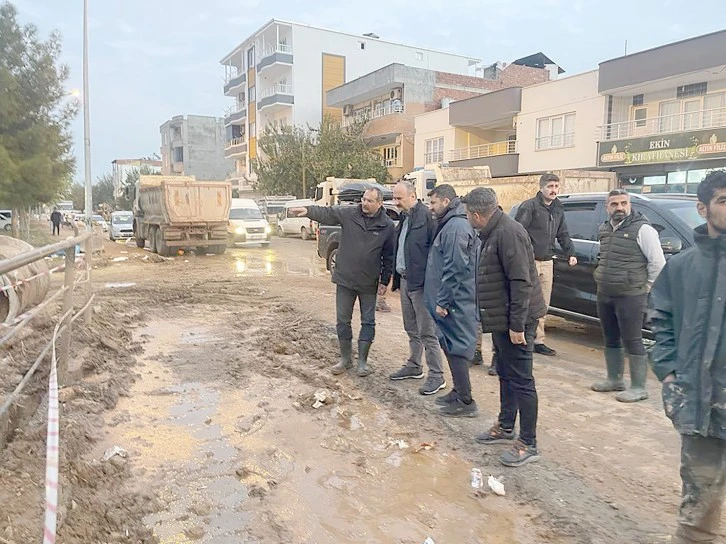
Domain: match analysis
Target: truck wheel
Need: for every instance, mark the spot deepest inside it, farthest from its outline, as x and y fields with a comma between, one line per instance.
x=161, y=247
x=332, y=257
x=304, y=234
x=218, y=249
x=152, y=239
x=140, y=243
x=265, y=244
x=280, y=232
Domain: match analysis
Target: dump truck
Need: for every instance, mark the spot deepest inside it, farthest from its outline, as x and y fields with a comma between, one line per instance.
x=326, y=192
x=179, y=212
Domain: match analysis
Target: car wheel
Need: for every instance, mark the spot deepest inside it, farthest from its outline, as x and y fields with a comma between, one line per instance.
x=305, y=234
x=265, y=244
x=280, y=232
x=332, y=257
x=8, y=227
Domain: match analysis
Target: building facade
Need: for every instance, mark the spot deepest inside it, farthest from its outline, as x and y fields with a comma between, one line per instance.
x=123, y=167
x=194, y=146
x=282, y=72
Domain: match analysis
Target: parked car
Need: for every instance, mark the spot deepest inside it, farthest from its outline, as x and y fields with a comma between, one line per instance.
x=574, y=293
x=100, y=221
x=122, y=226
x=6, y=220
x=247, y=225
x=289, y=224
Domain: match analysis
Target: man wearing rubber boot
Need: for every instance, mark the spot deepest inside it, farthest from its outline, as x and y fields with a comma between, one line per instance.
x=362, y=271
x=478, y=359
x=413, y=240
x=449, y=293
x=510, y=304
x=686, y=311
x=630, y=260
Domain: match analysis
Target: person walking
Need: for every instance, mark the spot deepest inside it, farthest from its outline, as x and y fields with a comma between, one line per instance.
x=510, y=303
x=362, y=271
x=629, y=261
x=413, y=240
x=687, y=313
x=543, y=217
x=450, y=297
x=55, y=219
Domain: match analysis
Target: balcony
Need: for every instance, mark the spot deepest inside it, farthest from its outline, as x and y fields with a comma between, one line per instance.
x=483, y=151
x=667, y=124
x=364, y=117
x=236, y=146
x=502, y=158
x=234, y=82
x=279, y=95
x=233, y=117
x=275, y=55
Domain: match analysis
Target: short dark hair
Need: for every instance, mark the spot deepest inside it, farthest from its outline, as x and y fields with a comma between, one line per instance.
x=377, y=190
x=481, y=200
x=443, y=191
x=714, y=181
x=547, y=178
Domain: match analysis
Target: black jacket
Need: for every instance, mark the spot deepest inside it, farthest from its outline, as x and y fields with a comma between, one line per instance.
x=56, y=218
x=686, y=314
x=544, y=224
x=420, y=236
x=622, y=269
x=365, y=254
x=509, y=294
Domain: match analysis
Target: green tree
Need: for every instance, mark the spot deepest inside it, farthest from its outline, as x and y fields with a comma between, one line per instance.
x=125, y=200
x=103, y=191
x=36, y=163
x=77, y=193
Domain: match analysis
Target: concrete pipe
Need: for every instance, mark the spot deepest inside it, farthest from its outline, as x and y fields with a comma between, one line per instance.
x=17, y=298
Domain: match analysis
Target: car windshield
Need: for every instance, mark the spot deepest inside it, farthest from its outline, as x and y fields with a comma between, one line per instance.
x=245, y=213
x=97, y=218
x=686, y=211
x=122, y=219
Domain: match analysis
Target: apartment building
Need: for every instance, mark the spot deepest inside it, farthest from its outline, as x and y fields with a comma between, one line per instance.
x=121, y=168
x=282, y=73
x=194, y=146
x=388, y=101
x=665, y=119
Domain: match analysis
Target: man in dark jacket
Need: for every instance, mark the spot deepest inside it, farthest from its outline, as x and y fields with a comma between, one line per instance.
x=56, y=218
x=449, y=293
x=687, y=316
x=413, y=240
x=510, y=303
x=543, y=217
x=362, y=270
x=629, y=261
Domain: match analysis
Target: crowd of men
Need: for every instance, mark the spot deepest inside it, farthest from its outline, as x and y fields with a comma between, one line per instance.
x=464, y=267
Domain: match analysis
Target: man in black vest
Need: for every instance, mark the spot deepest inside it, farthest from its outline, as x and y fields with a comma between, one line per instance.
x=629, y=262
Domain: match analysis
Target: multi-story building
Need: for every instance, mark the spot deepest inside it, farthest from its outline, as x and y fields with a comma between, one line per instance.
x=123, y=167
x=194, y=146
x=389, y=99
x=282, y=72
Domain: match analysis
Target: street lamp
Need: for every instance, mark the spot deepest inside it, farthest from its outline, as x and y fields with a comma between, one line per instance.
x=86, y=121
x=305, y=144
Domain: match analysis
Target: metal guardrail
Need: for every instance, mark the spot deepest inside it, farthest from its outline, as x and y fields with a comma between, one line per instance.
x=506, y=147
x=665, y=124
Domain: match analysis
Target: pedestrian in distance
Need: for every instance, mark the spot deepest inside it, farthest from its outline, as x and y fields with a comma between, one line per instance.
x=450, y=297
x=687, y=308
x=629, y=262
x=412, y=245
x=510, y=304
x=543, y=217
x=362, y=271
x=55, y=219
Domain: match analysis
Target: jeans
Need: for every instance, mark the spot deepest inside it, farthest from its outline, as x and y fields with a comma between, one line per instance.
x=545, y=270
x=621, y=320
x=459, y=367
x=421, y=330
x=517, y=391
x=344, y=302
x=56, y=229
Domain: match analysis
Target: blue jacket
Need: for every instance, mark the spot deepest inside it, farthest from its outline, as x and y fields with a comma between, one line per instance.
x=416, y=247
x=451, y=283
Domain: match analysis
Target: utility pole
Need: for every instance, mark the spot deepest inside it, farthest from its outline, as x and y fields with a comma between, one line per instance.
x=86, y=120
x=305, y=144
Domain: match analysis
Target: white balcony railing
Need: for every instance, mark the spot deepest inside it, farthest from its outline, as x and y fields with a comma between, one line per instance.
x=363, y=117
x=666, y=124
x=482, y=151
x=280, y=48
x=235, y=142
x=278, y=88
x=557, y=141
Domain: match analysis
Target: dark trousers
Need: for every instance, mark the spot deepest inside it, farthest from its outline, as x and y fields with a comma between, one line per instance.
x=56, y=229
x=517, y=392
x=459, y=367
x=703, y=473
x=344, y=302
x=621, y=320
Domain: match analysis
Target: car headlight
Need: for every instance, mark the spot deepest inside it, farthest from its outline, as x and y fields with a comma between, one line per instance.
x=240, y=230
x=268, y=230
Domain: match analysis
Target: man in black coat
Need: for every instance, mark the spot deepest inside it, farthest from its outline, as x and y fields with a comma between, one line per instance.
x=362, y=271
x=687, y=315
x=56, y=218
x=510, y=302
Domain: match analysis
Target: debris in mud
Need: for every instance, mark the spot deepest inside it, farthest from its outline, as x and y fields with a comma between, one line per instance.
x=425, y=446
x=113, y=452
x=402, y=444
x=257, y=491
x=321, y=397
x=429, y=540
x=250, y=423
x=119, y=259
x=496, y=486
x=477, y=480
x=195, y=533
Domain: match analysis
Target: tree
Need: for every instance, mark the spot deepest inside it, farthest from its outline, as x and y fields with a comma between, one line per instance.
x=125, y=199
x=36, y=163
x=103, y=191
x=77, y=194
x=284, y=150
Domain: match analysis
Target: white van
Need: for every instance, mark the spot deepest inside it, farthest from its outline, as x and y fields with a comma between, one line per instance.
x=246, y=224
x=6, y=220
x=289, y=224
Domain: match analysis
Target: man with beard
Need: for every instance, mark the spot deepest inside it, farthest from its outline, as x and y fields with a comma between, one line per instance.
x=450, y=296
x=629, y=262
x=543, y=217
x=687, y=317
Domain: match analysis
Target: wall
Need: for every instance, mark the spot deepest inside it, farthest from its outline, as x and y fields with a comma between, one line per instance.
x=428, y=126
x=204, y=149
x=460, y=87
x=576, y=94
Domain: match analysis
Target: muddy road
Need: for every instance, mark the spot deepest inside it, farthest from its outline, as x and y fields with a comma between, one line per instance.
x=235, y=431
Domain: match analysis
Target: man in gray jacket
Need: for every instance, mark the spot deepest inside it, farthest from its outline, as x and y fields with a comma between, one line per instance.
x=687, y=315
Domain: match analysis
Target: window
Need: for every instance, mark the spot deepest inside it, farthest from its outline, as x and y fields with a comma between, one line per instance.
x=241, y=99
x=694, y=89
x=419, y=55
x=253, y=93
x=434, y=150
x=639, y=115
x=580, y=218
x=658, y=223
x=555, y=132
x=253, y=130
x=714, y=115
x=251, y=57
x=177, y=154
x=389, y=154
x=638, y=100
x=669, y=113
x=362, y=45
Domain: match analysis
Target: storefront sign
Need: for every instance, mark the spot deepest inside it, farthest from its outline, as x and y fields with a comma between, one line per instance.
x=685, y=146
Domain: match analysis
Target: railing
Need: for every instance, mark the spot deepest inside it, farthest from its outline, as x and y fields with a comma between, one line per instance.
x=434, y=156
x=234, y=81
x=557, y=141
x=666, y=124
x=278, y=88
x=364, y=117
x=391, y=163
x=483, y=151
x=236, y=141
x=281, y=48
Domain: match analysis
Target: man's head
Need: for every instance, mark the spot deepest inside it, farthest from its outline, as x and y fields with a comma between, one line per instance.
x=618, y=205
x=440, y=197
x=372, y=201
x=481, y=203
x=712, y=201
x=404, y=195
x=549, y=186
x=55, y=208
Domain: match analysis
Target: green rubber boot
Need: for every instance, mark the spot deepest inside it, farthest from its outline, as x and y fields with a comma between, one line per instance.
x=346, y=357
x=638, y=374
x=363, y=349
x=615, y=364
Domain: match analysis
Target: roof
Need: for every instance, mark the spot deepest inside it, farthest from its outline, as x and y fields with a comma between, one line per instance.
x=538, y=60
x=367, y=35
x=671, y=44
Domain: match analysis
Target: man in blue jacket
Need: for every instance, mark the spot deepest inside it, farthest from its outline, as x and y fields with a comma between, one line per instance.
x=450, y=295
x=687, y=311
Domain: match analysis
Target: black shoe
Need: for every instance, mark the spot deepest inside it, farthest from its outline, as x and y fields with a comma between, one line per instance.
x=492, y=370
x=448, y=398
x=477, y=360
x=496, y=435
x=544, y=350
x=406, y=373
x=459, y=408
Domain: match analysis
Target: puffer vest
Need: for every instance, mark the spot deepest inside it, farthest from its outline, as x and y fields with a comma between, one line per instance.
x=622, y=268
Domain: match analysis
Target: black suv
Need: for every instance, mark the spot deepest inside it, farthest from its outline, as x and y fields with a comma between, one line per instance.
x=574, y=291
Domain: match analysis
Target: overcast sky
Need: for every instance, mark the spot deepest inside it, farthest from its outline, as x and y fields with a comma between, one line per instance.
x=152, y=59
